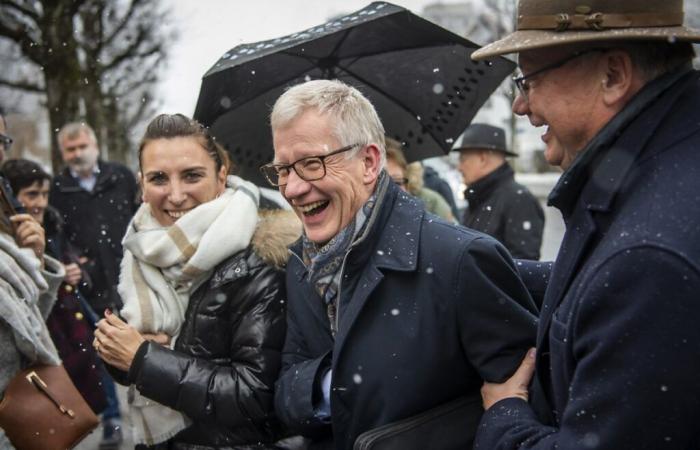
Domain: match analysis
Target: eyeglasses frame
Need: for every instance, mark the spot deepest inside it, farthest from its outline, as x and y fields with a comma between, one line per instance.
x=520, y=80
x=292, y=165
x=6, y=141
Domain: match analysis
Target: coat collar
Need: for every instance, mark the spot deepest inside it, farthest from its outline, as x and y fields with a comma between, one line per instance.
x=478, y=191
x=105, y=177
x=606, y=164
x=594, y=181
x=392, y=239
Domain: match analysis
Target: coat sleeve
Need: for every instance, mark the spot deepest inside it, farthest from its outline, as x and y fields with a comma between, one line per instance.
x=497, y=316
x=229, y=395
x=298, y=388
x=524, y=225
x=637, y=349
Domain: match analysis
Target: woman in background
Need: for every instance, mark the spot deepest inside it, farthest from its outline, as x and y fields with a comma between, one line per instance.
x=203, y=290
x=68, y=321
x=28, y=283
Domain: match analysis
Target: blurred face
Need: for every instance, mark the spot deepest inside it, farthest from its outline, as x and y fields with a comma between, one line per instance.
x=324, y=206
x=564, y=100
x=397, y=174
x=35, y=198
x=80, y=153
x=470, y=166
x=178, y=175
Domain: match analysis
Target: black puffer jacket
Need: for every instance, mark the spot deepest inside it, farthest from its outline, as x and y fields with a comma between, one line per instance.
x=227, y=357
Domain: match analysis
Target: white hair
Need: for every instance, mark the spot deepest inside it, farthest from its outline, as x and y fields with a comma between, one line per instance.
x=72, y=130
x=354, y=117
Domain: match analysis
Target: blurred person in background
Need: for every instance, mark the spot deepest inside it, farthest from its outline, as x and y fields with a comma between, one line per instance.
x=497, y=204
x=68, y=321
x=409, y=177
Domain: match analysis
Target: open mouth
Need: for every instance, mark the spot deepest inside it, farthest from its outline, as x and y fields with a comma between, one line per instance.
x=177, y=214
x=314, y=208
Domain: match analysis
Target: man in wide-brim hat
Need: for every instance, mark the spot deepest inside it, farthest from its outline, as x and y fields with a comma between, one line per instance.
x=497, y=204
x=618, y=348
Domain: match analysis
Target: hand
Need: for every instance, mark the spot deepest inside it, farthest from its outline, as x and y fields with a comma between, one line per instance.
x=29, y=233
x=515, y=386
x=73, y=274
x=116, y=342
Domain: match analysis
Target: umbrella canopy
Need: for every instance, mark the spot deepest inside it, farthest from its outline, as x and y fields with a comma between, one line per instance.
x=418, y=75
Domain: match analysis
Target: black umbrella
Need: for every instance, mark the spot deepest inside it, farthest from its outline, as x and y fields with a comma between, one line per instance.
x=418, y=75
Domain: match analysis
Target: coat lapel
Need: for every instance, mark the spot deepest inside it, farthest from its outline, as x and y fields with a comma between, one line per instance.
x=392, y=245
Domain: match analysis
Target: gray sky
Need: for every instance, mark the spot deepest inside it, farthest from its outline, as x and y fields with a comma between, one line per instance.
x=208, y=28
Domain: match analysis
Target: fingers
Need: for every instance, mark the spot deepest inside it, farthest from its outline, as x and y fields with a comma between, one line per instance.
x=29, y=233
x=114, y=320
x=523, y=375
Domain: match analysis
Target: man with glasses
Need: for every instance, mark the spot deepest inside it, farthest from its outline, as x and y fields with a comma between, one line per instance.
x=390, y=312
x=5, y=140
x=618, y=347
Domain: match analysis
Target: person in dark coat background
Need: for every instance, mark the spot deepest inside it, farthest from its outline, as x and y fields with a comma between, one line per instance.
x=497, y=204
x=391, y=312
x=97, y=200
x=432, y=180
x=618, y=346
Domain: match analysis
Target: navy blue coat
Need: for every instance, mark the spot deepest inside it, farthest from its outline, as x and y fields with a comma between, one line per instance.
x=427, y=311
x=619, y=335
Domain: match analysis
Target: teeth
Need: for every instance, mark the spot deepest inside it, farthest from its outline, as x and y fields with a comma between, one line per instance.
x=178, y=214
x=309, y=207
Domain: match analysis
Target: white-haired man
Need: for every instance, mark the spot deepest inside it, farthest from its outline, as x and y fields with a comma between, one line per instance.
x=390, y=312
x=618, y=344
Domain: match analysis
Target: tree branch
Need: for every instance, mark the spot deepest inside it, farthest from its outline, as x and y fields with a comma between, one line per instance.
x=33, y=14
x=133, y=6
x=26, y=86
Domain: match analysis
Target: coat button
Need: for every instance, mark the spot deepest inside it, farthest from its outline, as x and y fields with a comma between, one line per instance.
x=69, y=288
x=79, y=316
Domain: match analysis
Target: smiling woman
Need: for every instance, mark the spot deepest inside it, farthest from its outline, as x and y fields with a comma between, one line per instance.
x=202, y=284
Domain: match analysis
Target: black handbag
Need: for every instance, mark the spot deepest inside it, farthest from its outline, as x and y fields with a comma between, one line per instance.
x=450, y=426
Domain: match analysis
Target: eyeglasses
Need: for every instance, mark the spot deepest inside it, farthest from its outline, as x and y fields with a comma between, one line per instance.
x=400, y=181
x=310, y=168
x=5, y=141
x=522, y=83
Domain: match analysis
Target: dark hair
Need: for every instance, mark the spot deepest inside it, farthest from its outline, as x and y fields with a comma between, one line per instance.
x=22, y=173
x=169, y=126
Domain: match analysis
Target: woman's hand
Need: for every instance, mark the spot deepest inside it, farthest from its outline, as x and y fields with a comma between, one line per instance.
x=116, y=342
x=73, y=274
x=29, y=233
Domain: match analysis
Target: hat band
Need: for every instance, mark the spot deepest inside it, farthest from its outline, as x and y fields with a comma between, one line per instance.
x=599, y=21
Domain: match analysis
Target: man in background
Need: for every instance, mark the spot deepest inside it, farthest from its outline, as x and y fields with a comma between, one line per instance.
x=97, y=200
x=498, y=205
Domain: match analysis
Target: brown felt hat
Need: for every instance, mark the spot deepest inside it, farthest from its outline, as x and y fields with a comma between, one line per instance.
x=548, y=23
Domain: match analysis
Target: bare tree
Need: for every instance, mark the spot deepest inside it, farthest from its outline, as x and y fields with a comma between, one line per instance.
x=95, y=60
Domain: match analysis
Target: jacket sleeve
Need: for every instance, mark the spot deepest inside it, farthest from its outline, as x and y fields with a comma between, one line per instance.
x=298, y=388
x=637, y=349
x=497, y=316
x=524, y=225
x=234, y=394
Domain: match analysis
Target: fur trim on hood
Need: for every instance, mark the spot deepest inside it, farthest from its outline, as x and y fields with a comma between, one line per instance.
x=276, y=231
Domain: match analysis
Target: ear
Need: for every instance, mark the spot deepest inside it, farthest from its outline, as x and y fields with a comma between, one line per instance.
x=221, y=179
x=371, y=163
x=620, y=80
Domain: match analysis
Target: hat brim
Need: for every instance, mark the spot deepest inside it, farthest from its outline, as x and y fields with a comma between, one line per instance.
x=523, y=40
x=486, y=147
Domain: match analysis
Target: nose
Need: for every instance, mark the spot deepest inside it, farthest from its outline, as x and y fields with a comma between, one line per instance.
x=177, y=194
x=295, y=187
x=43, y=201
x=521, y=106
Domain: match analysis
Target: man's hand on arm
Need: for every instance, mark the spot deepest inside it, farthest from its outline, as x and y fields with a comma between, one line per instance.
x=515, y=386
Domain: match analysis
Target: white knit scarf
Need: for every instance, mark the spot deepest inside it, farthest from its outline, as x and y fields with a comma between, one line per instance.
x=163, y=266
